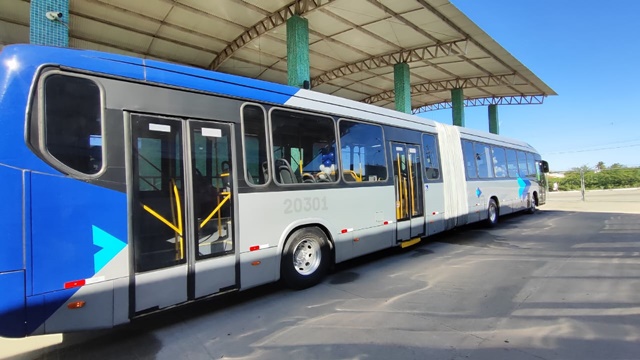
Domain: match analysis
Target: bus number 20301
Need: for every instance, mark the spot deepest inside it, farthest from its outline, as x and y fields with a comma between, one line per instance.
x=305, y=204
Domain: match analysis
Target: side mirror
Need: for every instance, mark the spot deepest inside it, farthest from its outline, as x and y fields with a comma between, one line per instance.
x=544, y=166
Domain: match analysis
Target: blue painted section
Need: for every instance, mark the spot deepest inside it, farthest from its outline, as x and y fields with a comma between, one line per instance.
x=11, y=252
x=110, y=247
x=523, y=187
x=43, y=31
x=35, y=313
x=12, y=304
x=64, y=213
x=478, y=192
x=26, y=178
x=219, y=83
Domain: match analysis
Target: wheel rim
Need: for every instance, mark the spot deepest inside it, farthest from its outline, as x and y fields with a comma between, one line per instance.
x=307, y=256
x=492, y=213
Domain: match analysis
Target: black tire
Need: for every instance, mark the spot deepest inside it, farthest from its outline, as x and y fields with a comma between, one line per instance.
x=305, y=259
x=492, y=213
x=533, y=202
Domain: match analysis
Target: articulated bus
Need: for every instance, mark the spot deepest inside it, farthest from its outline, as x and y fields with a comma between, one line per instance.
x=129, y=185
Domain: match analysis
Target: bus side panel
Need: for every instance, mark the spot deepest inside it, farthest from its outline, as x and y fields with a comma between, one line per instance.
x=12, y=276
x=77, y=229
x=11, y=255
x=12, y=303
x=79, y=246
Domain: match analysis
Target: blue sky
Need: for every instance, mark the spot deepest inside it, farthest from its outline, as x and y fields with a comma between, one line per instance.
x=589, y=53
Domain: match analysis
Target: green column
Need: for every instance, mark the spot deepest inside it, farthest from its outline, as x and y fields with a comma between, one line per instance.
x=457, y=107
x=46, y=31
x=297, y=50
x=402, y=87
x=494, y=126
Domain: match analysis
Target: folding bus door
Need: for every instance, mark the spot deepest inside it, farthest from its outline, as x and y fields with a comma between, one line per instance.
x=180, y=204
x=407, y=171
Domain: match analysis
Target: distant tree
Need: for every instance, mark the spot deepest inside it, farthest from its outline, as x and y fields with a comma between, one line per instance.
x=617, y=166
x=583, y=168
x=600, y=165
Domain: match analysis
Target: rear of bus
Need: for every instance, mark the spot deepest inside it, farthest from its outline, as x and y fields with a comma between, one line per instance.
x=64, y=254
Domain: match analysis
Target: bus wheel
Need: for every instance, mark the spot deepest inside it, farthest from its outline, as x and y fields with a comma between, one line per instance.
x=305, y=258
x=492, y=213
x=532, y=204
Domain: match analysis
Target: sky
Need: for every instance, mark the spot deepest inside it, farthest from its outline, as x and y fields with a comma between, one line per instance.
x=588, y=52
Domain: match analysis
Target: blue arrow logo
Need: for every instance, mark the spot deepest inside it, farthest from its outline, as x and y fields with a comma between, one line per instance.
x=110, y=245
x=523, y=187
x=478, y=192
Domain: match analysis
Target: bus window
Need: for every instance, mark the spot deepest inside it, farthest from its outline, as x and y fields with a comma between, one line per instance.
x=499, y=161
x=303, y=148
x=255, y=145
x=362, y=152
x=469, y=159
x=512, y=163
x=73, y=122
x=531, y=165
x=485, y=165
x=431, y=157
x=522, y=164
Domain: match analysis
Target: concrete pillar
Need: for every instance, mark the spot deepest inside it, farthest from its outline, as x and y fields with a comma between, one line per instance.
x=402, y=87
x=297, y=51
x=44, y=31
x=457, y=107
x=494, y=126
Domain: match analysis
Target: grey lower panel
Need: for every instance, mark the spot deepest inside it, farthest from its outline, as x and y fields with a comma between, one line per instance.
x=161, y=288
x=215, y=274
x=96, y=313
x=403, y=230
x=253, y=273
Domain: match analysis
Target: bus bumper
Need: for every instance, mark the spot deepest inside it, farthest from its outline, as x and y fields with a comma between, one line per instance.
x=12, y=304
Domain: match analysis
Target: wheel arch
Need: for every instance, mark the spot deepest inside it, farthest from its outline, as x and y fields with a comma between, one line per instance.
x=305, y=223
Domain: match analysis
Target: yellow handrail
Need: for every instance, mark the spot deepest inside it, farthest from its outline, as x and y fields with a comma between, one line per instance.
x=227, y=196
x=410, y=166
x=399, y=206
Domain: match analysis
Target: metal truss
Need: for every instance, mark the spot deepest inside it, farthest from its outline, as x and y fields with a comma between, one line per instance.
x=496, y=100
x=403, y=56
x=444, y=85
x=273, y=20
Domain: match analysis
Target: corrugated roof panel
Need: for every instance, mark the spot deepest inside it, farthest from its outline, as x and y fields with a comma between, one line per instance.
x=157, y=9
x=233, y=11
x=103, y=12
x=359, y=12
x=108, y=34
x=397, y=33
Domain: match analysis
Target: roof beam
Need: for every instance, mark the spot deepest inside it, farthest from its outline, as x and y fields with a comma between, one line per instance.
x=496, y=100
x=412, y=55
x=268, y=23
x=444, y=85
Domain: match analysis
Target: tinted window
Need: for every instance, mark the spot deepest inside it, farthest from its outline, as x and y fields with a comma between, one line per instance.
x=522, y=164
x=531, y=164
x=499, y=161
x=303, y=148
x=512, y=163
x=255, y=145
x=362, y=152
x=483, y=159
x=469, y=159
x=73, y=123
x=431, y=159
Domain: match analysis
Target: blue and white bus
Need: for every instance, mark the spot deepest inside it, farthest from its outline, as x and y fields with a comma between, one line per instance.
x=129, y=185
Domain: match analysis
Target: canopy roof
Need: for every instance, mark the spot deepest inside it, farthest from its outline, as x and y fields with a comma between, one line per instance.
x=353, y=44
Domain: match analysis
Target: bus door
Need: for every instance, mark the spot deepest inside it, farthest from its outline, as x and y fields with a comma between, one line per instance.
x=407, y=173
x=181, y=210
